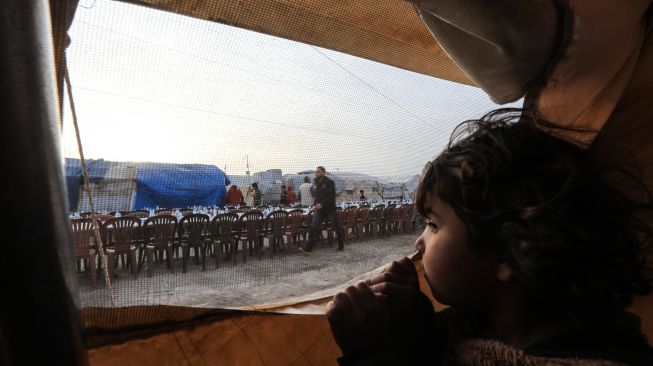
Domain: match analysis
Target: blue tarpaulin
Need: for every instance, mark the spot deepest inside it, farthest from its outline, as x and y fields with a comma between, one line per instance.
x=179, y=185
x=157, y=184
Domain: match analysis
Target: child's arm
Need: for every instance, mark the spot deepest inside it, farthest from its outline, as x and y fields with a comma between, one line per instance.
x=385, y=319
x=360, y=322
x=411, y=311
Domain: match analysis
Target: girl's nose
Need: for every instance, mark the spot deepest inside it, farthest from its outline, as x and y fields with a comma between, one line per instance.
x=419, y=243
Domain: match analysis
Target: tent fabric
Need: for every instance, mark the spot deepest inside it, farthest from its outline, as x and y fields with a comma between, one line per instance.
x=242, y=339
x=126, y=186
x=361, y=28
x=248, y=338
x=232, y=337
x=585, y=86
x=62, y=13
x=179, y=185
x=96, y=170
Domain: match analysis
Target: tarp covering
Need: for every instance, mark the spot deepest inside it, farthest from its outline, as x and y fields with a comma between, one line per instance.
x=128, y=186
x=179, y=185
x=112, y=184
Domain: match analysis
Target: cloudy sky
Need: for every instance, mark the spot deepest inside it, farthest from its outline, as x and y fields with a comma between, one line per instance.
x=155, y=86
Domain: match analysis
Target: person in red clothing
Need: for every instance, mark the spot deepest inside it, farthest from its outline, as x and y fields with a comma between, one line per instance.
x=234, y=195
x=292, y=197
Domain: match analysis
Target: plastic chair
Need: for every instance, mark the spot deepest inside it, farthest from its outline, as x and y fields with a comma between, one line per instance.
x=362, y=221
x=275, y=228
x=120, y=235
x=348, y=222
x=192, y=230
x=294, y=229
x=250, y=233
x=84, y=246
x=376, y=215
x=159, y=236
x=222, y=235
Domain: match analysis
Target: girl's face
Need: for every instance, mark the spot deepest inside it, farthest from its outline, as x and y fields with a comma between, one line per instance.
x=457, y=274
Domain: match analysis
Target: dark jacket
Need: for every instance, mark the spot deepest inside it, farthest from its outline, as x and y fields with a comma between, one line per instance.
x=324, y=192
x=616, y=339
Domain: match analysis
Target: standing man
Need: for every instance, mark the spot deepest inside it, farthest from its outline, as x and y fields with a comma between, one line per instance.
x=305, y=193
x=324, y=192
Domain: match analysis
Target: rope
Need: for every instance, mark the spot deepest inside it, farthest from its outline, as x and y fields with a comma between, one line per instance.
x=96, y=230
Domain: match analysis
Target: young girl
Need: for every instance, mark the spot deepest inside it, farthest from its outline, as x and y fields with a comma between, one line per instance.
x=529, y=243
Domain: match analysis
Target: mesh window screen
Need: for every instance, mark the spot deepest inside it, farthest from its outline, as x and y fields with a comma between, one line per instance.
x=174, y=110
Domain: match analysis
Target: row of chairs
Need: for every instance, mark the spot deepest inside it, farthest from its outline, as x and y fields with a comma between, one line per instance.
x=160, y=237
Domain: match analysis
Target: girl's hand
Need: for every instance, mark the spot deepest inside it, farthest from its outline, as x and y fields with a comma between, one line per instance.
x=412, y=314
x=399, y=283
x=359, y=321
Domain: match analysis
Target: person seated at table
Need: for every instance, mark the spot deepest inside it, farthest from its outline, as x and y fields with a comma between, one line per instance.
x=292, y=198
x=234, y=195
x=531, y=244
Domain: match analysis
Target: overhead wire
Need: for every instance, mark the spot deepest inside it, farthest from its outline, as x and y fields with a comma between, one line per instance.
x=271, y=79
x=361, y=138
x=375, y=90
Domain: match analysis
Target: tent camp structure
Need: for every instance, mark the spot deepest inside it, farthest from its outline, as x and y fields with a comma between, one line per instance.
x=41, y=318
x=349, y=184
x=136, y=186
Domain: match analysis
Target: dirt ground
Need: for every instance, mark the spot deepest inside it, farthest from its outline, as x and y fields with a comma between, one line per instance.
x=286, y=277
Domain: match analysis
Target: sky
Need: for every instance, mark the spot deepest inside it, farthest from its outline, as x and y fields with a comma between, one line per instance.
x=155, y=86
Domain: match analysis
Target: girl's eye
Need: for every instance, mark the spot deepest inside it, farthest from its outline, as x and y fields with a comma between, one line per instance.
x=432, y=225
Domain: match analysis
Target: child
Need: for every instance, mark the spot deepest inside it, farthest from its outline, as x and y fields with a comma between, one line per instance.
x=534, y=252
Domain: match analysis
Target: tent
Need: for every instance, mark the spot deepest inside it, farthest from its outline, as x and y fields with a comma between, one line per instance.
x=179, y=185
x=113, y=185
x=136, y=186
x=349, y=185
x=269, y=182
x=362, y=28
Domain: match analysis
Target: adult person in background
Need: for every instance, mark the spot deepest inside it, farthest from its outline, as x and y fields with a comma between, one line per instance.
x=305, y=194
x=362, y=196
x=324, y=192
x=235, y=196
x=283, y=200
x=292, y=197
x=258, y=195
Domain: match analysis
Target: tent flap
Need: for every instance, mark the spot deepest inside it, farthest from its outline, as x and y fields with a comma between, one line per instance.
x=386, y=31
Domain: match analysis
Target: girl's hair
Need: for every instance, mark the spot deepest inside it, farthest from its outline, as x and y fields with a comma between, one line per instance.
x=550, y=209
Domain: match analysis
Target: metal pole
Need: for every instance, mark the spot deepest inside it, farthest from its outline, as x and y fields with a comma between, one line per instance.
x=39, y=306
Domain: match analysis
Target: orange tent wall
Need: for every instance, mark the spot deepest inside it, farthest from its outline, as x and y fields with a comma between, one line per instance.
x=242, y=338
x=233, y=338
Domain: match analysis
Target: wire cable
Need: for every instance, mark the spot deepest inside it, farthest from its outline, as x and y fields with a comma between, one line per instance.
x=376, y=90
